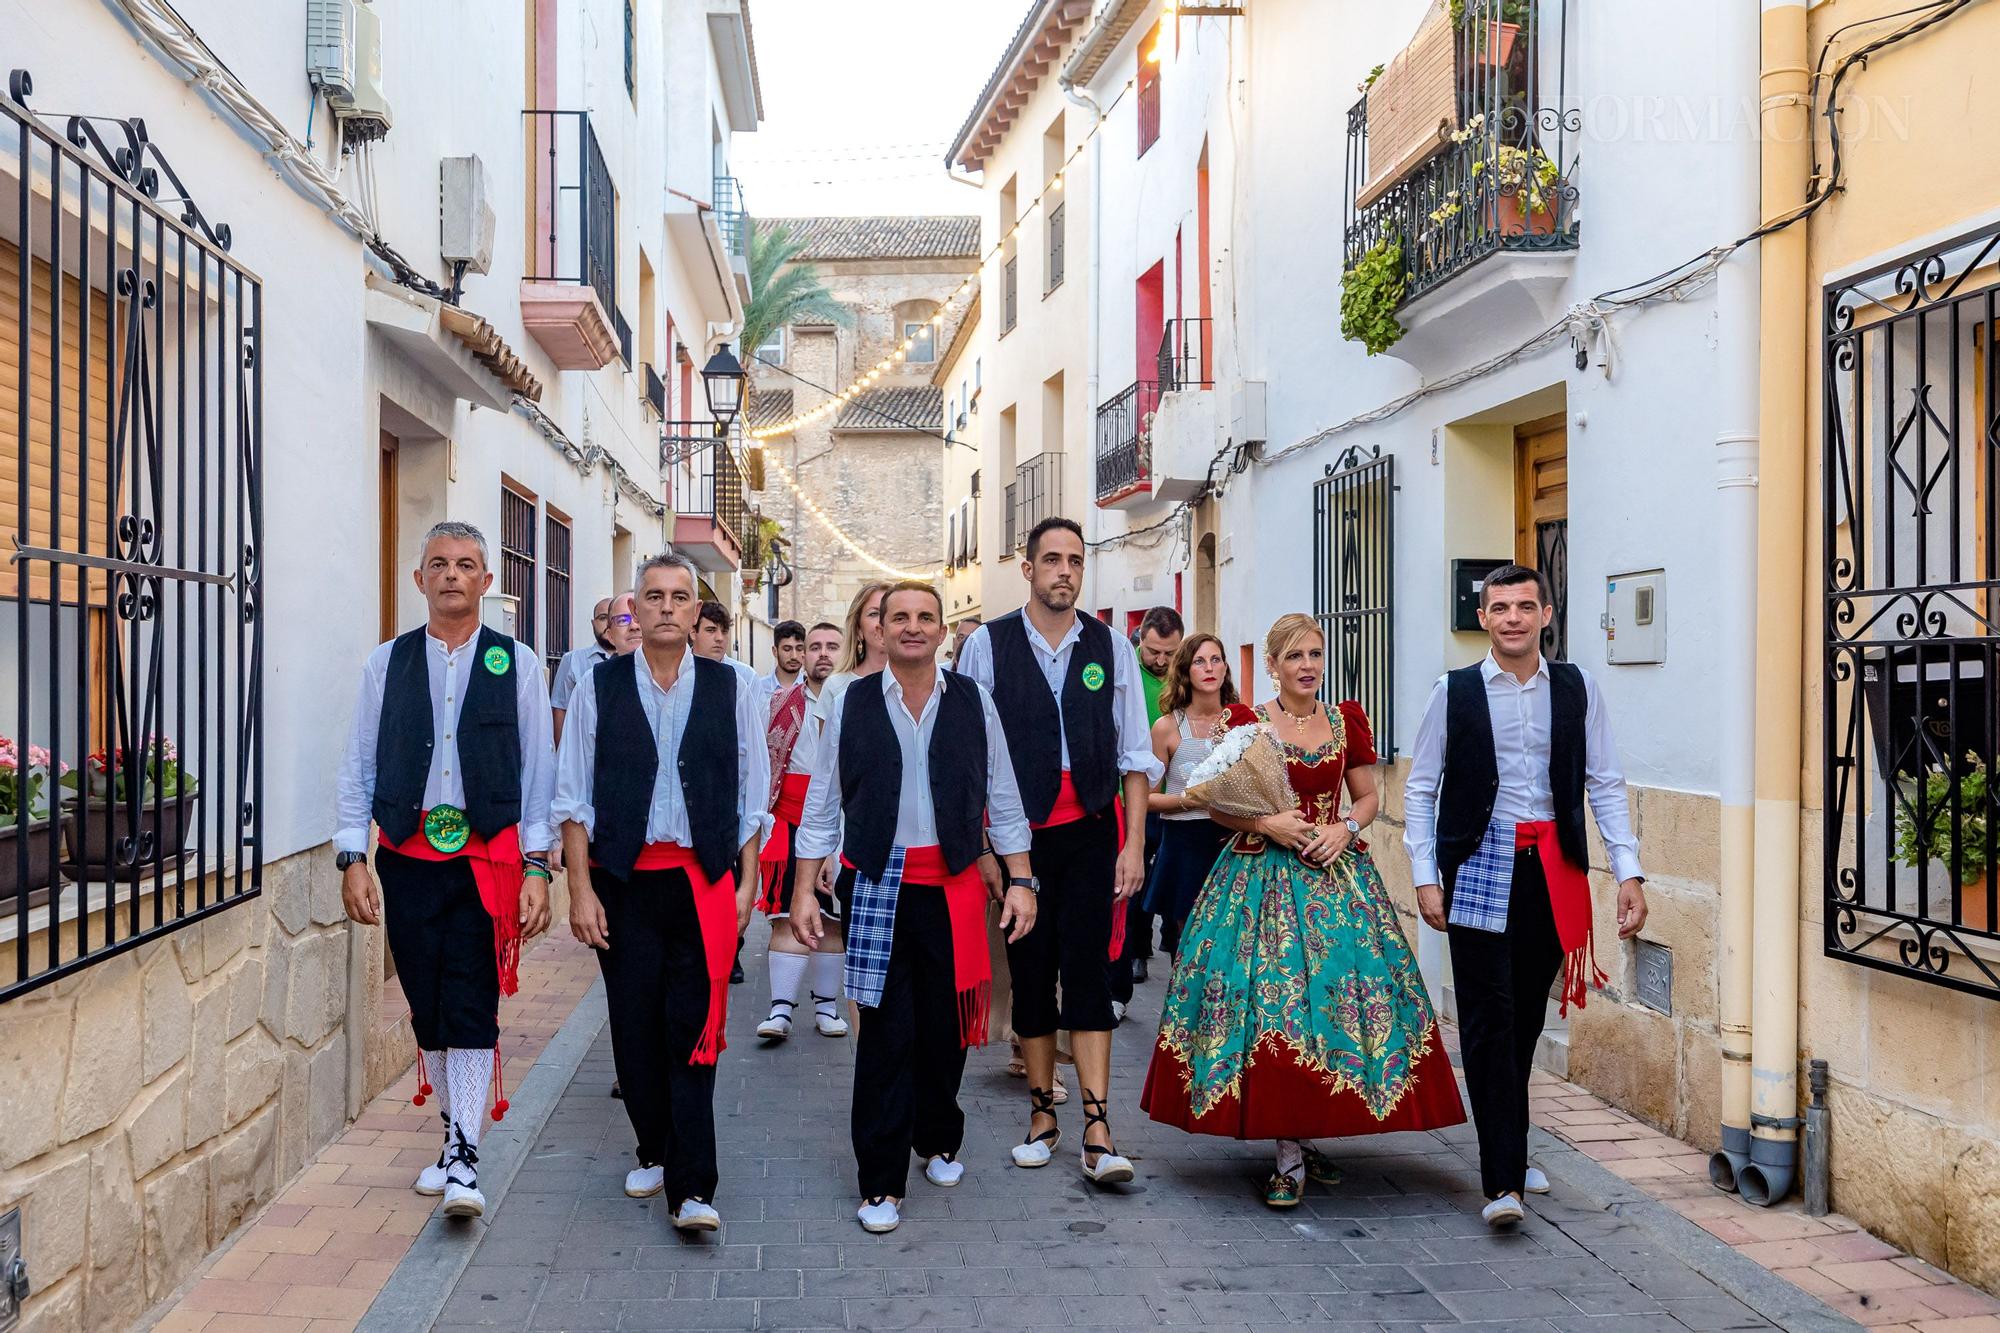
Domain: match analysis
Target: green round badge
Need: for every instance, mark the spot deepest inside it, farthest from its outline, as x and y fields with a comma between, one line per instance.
x=498, y=660
x=1093, y=676
x=446, y=828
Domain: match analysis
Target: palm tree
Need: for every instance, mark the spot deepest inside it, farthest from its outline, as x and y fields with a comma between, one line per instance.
x=784, y=290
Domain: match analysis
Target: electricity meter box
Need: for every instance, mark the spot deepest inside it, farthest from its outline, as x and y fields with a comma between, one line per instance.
x=1635, y=618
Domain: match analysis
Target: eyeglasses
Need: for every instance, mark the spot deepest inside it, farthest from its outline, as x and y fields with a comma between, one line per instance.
x=621, y=620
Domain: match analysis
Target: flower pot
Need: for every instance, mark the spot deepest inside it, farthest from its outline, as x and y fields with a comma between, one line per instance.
x=1513, y=217
x=42, y=874
x=1494, y=48
x=1972, y=902
x=93, y=852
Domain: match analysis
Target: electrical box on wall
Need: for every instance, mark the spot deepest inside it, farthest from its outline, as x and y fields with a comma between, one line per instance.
x=1467, y=578
x=1635, y=618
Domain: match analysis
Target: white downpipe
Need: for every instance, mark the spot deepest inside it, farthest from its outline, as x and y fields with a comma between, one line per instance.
x=1737, y=300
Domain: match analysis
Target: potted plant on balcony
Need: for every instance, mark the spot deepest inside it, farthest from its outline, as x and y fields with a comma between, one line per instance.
x=1935, y=837
x=1369, y=295
x=1493, y=42
x=96, y=833
x=24, y=786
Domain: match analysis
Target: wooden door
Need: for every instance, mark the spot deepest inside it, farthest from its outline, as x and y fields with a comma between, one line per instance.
x=1541, y=517
x=388, y=492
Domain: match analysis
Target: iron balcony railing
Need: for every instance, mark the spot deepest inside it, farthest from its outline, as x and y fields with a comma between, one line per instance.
x=1505, y=179
x=732, y=219
x=705, y=476
x=131, y=679
x=1036, y=493
x=1010, y=294
x=1125, y=440
x=1186, y=358
x=656, y=392
x=576, y=213
x=1010, y=540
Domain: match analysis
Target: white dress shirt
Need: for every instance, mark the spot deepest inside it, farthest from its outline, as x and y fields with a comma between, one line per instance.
x=1128, y=699
x=573, y=670
x=806, y=747
x=916, y=820
x=770, y=685
x=1521, y=729
x=450, y=672
x=667, y=714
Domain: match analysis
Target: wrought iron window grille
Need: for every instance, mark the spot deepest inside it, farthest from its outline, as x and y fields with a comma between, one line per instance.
x=1506, y=178
x=1354, y=586
x=134, y=716
x=1036, y=493
x=1911, y=615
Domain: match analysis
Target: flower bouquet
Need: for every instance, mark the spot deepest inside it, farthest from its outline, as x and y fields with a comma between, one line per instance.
x=1244, y=775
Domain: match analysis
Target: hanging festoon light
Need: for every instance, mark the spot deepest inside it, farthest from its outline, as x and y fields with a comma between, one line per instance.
x=963, y=292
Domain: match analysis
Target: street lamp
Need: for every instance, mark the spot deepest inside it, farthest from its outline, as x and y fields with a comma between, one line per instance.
x=722, y=380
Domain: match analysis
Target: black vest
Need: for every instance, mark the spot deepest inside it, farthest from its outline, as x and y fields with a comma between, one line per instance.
x=871, y=774
x=1029, y=717
x=628, y=761
x=1472, y=773
x=489, y=739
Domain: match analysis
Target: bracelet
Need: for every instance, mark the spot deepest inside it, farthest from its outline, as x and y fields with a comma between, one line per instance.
x=542, y=871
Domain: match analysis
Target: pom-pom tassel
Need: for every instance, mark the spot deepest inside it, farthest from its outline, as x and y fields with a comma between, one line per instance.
x=499, y=1088
x=424, y=1088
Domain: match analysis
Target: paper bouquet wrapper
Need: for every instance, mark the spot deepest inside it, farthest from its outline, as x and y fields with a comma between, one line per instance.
x=1243, y=776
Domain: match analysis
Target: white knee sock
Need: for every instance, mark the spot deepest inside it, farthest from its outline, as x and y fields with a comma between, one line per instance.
x=787, y=971
x=826, y=974
x=470, y=1073
x=1291, y=1159
x=432, y=1071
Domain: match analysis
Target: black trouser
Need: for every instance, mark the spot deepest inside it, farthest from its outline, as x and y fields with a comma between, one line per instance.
x=1071, y=942
x=1502, y=983
x=656, y=988
x=442, y=940
x=1139, y=925
x=907, y=1056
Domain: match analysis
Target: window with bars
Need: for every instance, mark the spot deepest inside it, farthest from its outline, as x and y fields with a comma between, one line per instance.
x=556, y=575
x=517, y=558
x=632, y=50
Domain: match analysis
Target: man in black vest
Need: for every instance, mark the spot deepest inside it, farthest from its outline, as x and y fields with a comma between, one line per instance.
x=1509, y=751
x=661, y=785
x=1069, y=697
x=450, y=756
x=914, y=768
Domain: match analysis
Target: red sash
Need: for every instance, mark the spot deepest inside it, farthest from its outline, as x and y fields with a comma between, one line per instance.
x=1569, y=901
x=965, y=902
x=715, y=911
x=497, y=869
x=787, y=812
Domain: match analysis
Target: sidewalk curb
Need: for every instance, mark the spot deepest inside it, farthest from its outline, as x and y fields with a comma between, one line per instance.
x=1749, y=1282
x=416, y=1292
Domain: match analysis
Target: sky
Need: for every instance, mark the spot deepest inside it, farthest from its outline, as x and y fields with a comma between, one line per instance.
x=861, y=100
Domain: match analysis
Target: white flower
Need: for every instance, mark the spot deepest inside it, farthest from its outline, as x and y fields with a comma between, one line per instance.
x=1230, y=749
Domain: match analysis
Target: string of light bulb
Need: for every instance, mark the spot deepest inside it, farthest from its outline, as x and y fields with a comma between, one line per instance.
x=960, y=294
x=840, y=535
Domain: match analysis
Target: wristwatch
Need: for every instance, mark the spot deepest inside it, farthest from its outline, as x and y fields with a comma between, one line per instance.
x=342, y=860
x=1353, y=828
x=1028, y=882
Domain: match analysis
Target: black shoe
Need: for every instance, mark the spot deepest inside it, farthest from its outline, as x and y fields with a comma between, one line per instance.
x=1138, y=971
x=617, y=1091
x=736, y=973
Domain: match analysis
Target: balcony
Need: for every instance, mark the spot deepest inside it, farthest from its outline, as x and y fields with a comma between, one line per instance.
x=705, y=494
x=1187, y=360
x=656, y=394
x=1035, y=495
x=1465, y=148
x=732, y=221
x=1125, y=446
x=569, y=288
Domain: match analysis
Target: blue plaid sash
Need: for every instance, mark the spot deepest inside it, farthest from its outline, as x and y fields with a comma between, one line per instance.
x=1479, y=895
x=871, y=930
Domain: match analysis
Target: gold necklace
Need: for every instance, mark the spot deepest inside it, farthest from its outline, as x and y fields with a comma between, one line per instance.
x=1300, y=722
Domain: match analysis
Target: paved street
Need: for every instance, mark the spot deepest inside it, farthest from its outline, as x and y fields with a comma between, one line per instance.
x=1399, y=1243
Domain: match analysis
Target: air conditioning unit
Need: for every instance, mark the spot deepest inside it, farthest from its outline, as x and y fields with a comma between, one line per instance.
x=1246, y=412
x=344, y=61
x=465, y=218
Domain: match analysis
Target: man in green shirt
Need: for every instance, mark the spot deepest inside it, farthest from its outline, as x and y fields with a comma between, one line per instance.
x=1158, y=638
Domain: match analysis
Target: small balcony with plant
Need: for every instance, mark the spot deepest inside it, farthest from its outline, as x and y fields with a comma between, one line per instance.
x=703, y=467
x=1462, y=159
x=569, y=289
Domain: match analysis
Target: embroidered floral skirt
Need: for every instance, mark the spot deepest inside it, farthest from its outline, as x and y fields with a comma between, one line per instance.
x=1296, y=1009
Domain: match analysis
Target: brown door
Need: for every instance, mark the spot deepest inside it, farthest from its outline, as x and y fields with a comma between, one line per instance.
x=387, y=495
x=1541, y=517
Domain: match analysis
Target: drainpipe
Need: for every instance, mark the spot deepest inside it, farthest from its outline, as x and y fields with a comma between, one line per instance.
x=1092, y=342
x=1774, y=1008
x=1736, y=602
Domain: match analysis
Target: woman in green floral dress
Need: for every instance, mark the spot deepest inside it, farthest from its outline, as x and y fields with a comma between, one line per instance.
x=1296, y=1010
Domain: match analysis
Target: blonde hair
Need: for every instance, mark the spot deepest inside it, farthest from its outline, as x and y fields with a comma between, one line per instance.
x=857, y=645
x=1287, y=631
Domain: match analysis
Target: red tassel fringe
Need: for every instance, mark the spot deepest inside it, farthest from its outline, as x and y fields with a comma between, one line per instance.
x=975, y=1007
x=1581, y=974
x=709, y=1049
x=499, y=1088
x=424, y=1089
